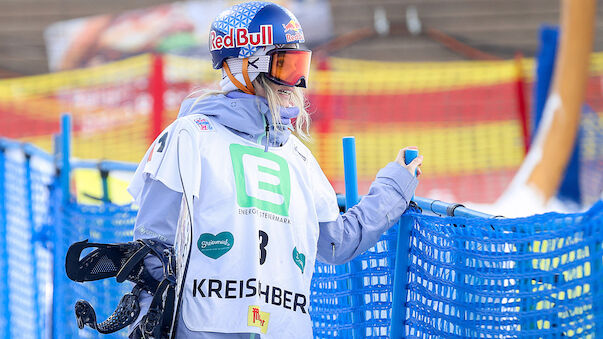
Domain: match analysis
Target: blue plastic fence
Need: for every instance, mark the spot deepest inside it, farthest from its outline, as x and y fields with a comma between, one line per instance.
x=468, y=276
x=25, y=255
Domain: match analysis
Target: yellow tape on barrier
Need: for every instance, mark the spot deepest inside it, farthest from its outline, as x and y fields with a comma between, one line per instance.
x=47, y=84
x=448, y=150
x=178, y=68
x=371, y=77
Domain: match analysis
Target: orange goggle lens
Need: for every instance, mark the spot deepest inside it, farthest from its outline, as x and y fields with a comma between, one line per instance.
x=290, y=67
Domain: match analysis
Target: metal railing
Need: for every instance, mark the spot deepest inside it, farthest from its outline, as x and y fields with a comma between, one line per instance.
x=399, y=297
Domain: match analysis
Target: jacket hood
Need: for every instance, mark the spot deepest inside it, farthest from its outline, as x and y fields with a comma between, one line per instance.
x=244, y=114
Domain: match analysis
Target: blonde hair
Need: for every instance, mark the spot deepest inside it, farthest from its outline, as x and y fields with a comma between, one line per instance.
x=302, y=122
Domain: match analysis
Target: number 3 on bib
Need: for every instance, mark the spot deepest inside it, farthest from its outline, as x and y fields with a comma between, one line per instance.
x=263, y=242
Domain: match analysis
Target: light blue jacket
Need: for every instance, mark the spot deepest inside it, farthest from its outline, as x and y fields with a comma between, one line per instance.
x=340, y=240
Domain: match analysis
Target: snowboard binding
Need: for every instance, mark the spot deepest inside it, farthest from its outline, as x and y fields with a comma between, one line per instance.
x=125, y=261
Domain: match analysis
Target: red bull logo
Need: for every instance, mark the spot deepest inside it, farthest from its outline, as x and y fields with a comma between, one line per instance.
x=240, y=37
x=292, y=25
x=295, y=29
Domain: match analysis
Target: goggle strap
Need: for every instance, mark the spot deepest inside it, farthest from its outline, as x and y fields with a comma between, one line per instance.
x=235, y=81
x=246, y=76
x=259, y=63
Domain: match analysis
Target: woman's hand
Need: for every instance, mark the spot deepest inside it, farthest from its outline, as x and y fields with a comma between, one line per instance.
x=414, y=165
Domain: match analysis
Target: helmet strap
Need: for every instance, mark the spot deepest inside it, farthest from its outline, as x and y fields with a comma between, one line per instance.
x=246, y=89
x=246, y=76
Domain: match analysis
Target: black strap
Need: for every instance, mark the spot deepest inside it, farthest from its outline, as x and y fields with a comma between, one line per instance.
x=135, y=260
x=157, y=322
x=105, y=261
x=170, y=299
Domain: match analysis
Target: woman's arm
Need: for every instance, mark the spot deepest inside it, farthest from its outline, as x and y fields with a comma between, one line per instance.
x=361, y=226
x=157, y=218
x=158, y=212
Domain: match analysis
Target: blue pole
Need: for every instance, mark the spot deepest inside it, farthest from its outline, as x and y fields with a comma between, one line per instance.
x=452, y=210
x=58, y=298
x=65, y=156
x=4, y=248
x=32, y=229
x=349, y=168
x=545, y=66
x=439, y=207
x=351, y=199
x=399, y=293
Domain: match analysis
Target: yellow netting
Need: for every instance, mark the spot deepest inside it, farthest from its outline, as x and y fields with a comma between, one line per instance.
x=109, y=104
x=464, y=116
x=358, y=76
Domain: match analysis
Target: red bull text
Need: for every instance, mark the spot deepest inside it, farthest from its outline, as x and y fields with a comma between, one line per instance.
x=294, y=27
x=240, y=37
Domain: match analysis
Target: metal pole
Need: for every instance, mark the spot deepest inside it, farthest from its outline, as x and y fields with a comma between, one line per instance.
x=58, y=298
x=32, y=229
x=65, y=156
x=4, y=246
x=399, y=292
x=351, y=199
x=447, y=209
x=349, y=168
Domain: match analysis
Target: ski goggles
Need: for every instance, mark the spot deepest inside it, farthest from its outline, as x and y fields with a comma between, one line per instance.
x=289, y=67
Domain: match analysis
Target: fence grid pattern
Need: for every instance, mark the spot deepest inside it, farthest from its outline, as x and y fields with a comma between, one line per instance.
x=539, y=276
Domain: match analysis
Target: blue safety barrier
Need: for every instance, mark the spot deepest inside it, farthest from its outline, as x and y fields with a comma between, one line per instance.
x=442, y=271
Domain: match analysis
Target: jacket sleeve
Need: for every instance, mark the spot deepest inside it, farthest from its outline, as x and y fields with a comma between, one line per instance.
x=158, y=212
x=358, y=229
x=157, y=218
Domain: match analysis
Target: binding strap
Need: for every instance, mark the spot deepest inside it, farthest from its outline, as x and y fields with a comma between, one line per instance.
x=125, y=261
x=157, y=322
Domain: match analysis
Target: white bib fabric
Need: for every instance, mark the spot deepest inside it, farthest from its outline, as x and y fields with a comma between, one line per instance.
x=256, y=218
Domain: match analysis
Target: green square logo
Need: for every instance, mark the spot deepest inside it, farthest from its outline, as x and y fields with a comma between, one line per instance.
x=262, y=179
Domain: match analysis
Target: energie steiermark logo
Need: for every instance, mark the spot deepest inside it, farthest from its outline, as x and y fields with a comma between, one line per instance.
x=262, y=179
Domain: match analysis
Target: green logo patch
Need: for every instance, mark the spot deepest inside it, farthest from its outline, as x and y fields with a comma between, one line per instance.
x=299, y=259
x=262, y=179
x=215, y=246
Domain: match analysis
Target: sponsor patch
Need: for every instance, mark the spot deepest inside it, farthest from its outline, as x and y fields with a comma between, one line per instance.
x=293, y=31
x=262, y=179
x=257, y=318
x=215, y=246
x=241, y=37
x=299, y=259
x=292, y=25
x=204, y=124
x=250, y=288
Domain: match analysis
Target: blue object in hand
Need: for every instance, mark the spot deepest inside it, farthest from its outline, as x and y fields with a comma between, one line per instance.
x=409, y=155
